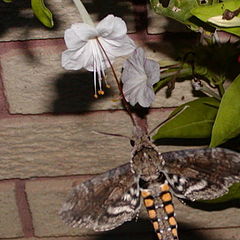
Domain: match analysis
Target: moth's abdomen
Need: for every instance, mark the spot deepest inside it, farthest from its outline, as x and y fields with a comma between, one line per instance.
x=161, y=212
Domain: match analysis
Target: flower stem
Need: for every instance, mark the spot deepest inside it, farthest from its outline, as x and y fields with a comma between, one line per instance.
x=125, y=103
x=83, y=12
x=221, y=89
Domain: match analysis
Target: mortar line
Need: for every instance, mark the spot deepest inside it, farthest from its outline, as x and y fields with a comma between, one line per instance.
x=24, y=209
x=5, y=105
x=140, y=17
x=210, y=228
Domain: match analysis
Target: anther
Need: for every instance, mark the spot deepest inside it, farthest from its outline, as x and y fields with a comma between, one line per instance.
x=100, y=92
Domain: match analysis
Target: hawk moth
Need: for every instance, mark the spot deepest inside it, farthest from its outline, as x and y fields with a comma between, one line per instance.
x=114, y=197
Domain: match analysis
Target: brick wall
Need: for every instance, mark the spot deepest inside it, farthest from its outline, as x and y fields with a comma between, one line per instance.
x=47, y=115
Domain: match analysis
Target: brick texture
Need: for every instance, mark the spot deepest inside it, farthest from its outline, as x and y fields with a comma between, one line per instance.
x=19, y=23
x=10, y=224
x=47, y=116
x=55, y=146
x=53, y=89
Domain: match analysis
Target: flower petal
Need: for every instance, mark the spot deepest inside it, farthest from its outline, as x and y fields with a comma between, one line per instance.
x=117, y=47
x=131, y=94
x=133, y=76
x=76, y=59
x=133, y=66
x=78, y=35
x=138, y=76
x=89, y=57
x=146, y=97
x=112, y=27
x=152, y=70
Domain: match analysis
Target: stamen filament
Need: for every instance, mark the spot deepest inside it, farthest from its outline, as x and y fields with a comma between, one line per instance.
x=94, y=74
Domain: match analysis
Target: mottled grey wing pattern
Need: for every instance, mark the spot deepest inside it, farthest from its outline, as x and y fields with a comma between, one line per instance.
x=201, y=173
x=105, y=201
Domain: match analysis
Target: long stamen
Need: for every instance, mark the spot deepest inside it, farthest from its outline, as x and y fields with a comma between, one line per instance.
x=125, y=103
x=95, y=79
x=106, y=82
x=98, y=67
x=101, y=69
x=94, y=70
x=103, y=62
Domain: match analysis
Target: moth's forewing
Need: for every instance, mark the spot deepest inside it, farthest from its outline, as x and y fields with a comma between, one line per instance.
x=105, y=201
x=201, y=173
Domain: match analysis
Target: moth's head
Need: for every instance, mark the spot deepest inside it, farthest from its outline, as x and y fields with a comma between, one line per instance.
x=139, y=136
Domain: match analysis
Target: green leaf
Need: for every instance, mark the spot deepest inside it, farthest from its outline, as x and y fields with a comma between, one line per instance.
x=234, y=193
x=217, y=20
x=8, y=1
x=42, y=13
x=178, y=10
x=227, y=123
x=195, y=121
x=205, y=13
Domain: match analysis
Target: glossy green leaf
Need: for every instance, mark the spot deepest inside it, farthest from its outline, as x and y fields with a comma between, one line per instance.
x=178, y=10
x=42, y=13
x=205, y=13
x=227, y=123
x=234, y=193
x=7, y=1
x=219, y=21
x=195, y=121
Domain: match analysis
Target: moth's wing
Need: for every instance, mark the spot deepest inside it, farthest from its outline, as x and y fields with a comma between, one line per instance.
x=105, y=201
x=201, y=173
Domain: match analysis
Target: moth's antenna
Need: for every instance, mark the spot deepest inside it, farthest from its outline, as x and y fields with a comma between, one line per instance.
x=119, y=86
x=111, y=134
x=168, y=119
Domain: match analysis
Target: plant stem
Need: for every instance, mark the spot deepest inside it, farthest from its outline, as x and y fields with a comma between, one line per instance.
x=210, y=92
x=221, y=89
x=125, y=103
x=83, y=12
x=168, y=75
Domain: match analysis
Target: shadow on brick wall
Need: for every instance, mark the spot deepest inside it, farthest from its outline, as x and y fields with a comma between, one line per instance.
x=143, y=229
x=102, y=9
x=75, y=93
x=18, y=14
x=15, y=15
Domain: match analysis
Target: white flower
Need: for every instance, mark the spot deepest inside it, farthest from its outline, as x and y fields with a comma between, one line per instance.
x=84, y=50
x=138, y=77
